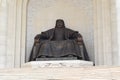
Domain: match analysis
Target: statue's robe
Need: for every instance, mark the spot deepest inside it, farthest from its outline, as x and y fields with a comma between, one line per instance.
x=57, y=43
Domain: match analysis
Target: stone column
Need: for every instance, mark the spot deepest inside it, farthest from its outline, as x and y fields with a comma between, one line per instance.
x=23, y=30
x=118, y=27
x=16, y=29
x=104, y=32
x=114, y=33
x=3, y=27
x=11, y=33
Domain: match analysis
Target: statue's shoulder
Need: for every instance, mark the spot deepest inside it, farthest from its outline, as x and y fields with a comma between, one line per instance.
x=49, y=30
x=70, y=30
x=52, y=29
x=44, y=33
x=37, y=36
x=73, y=31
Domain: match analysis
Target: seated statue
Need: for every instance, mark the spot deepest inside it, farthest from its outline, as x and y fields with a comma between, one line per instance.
x=59, y=42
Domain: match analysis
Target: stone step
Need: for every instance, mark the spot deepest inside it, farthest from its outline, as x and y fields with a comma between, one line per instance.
x=82, y=73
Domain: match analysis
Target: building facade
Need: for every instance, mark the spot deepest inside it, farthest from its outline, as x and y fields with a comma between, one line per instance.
x=97, y=20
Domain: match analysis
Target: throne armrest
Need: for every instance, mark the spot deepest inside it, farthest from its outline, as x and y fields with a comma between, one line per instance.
x=80, y=40
x=36, y=42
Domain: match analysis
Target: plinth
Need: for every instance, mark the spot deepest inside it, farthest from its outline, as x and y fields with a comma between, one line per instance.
x=57, y=63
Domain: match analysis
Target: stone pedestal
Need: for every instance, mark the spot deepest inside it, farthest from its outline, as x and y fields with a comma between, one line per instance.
x=58, y=63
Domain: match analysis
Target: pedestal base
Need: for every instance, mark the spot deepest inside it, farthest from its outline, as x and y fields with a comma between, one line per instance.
x=58, y=63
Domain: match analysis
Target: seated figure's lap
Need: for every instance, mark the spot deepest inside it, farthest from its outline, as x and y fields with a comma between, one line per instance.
x=58, y=48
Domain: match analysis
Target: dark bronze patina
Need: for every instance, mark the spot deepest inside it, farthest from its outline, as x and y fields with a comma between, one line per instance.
x=58, y=43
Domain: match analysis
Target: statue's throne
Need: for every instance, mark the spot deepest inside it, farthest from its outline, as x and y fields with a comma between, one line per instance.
x=79, y=41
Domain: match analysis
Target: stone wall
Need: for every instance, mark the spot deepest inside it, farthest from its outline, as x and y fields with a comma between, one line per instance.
x=118, y=24
x=3, y=32
x=12, y=33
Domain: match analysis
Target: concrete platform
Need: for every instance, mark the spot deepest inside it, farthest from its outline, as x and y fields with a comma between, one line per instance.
x=58, y=63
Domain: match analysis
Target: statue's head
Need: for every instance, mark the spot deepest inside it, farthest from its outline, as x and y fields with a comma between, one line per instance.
x=59, y=23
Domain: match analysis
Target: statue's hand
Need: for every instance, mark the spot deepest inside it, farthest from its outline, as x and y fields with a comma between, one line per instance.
x=80, y=40
x=37, y=41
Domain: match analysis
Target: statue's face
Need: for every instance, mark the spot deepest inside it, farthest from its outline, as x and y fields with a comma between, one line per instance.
x=59, y=23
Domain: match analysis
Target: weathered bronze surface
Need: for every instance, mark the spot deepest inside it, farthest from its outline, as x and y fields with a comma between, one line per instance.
x=58, y=42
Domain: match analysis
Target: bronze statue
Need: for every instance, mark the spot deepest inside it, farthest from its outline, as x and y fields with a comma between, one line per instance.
x=59, y=42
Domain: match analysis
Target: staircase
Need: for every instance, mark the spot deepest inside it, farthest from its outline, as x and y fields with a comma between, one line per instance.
x=81, y=73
